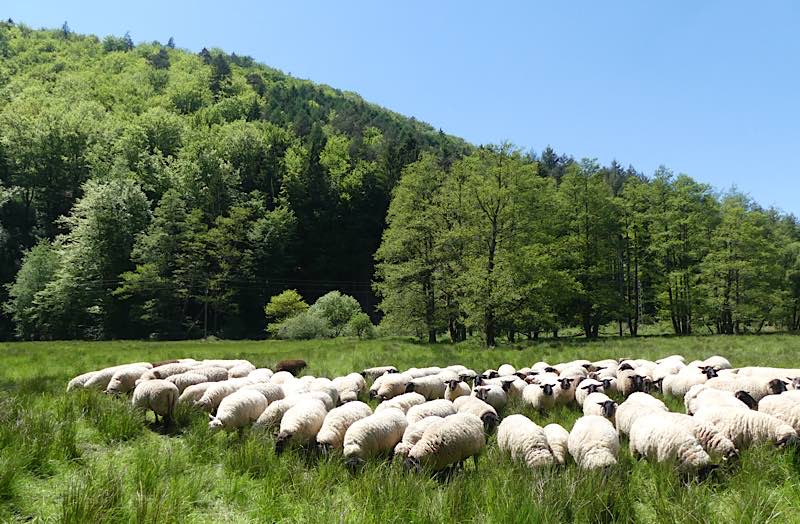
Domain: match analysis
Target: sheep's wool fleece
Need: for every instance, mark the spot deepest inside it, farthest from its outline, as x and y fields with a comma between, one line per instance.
x=158, y=395
x=457, y=438
x=658, y=438
x=338, y=420
x=557, y=438
x=593, y=442
x=524, y=440
x=374, y=434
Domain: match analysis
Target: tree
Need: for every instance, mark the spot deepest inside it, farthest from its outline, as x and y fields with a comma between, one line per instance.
x=39, y=266
x=285, y=305
x=171, y=43
x=337, y=309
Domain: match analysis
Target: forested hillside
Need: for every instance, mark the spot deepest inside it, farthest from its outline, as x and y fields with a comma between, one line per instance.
x=147, y=190
x=158, y=190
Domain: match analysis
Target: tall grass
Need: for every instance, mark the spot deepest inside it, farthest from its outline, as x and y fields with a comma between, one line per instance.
x=87, y=457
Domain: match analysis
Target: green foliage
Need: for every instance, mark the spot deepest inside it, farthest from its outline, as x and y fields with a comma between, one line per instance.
x=360, y=326
x=39, y=267
x=336, y=309
x=283, y=306
x=304, y=326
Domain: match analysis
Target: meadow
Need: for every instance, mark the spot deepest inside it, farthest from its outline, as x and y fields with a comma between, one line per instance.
x=87, y=457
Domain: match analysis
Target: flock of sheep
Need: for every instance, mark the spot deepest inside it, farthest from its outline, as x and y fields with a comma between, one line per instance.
x=436, y=418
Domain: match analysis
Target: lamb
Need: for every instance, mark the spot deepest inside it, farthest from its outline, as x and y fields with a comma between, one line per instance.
x=194, y=393
x=124, y=380
x=392, y=385
x=293, y=366
x=157, y=395
x=350, y=387
x=271, y=392
x=80, y=381
x=495, y=396
x=219, y=390
x=593, y=443
x=403, y=402
x=657, y=438
x=745, y=428
x=238, y=410
x=600, y=404
x=439, y=407
x=454, y=440
x=184, y=380
x=585, y=388
x=785, y=406
x=480, y=409
x=301, y=423
x=456, y=388
x=756, y=387
x=334, y=427
x=540, y=396
x=431, y=386
x=241, y=370
x=373, y=435
x=375, y=372
x=636, y=405
x=522, y=439
x=557, y=438
x=413, y=433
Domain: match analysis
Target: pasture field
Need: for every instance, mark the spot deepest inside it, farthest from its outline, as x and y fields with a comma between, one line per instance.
x=87, y=457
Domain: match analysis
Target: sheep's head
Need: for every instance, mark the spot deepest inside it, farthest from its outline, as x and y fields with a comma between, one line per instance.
x=520, y=375
x=452, y=384
x=547, y=389
x=482, y=392
x=506, y=385
x=709, y=371
x=625, y=366
x=392, y=370
x=566, y=383
x=281, y=441
x=214, y=424
x=789, y=440
x=609, y=408
x=747, y=399
x=658, y=384
x=324, y=448
x=550, y=369
x=592, y=388
x=796, y=383
x=490, y=422
x=606, y=383
x=777, y=386
x=413, y=464
x=354, y=463
x=410, y=387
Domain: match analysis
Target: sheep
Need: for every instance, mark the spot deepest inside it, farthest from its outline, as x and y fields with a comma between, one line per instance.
x=403, y=402
x=260, y=375
x=373, y=435
x=439, y=407
x=490, y=373
x=506, y=370
x=238, y=410
x=219, y=390
x=334, y=427
x=273, y=414
x=223, y=363
x=522, y=439
x=430, y=386
x=124, y=380
x=557, y=438
x=326, y=386
x=293, y=366
x=100, y=379
x=300, y=423
x=756, y=387
x=456, y=388
x=636, y=405
x=678, y=385
x=593, y=443
x=657, y=438
x=194, y=393
x=745, y=428
x=629, y=380
x=392, y=385
x=282, y=377
x=413, y=433
x=539, y=396
x=600, y=404
x=513, y=386
x=375, y=372
x=157, y=395
x=162, y=372
x=701, y=395
x=714, y=442
x=350, y=386
x=785, y=406
x=585, y=388
x=422, y=372
x=458, y=368
x=212, y=373
x=184, y=380
x=80, y=381
x=717, y=362
x=271, y=392
x=480, y=409
x=241, y=370
x=451, y=442
x=495, y=396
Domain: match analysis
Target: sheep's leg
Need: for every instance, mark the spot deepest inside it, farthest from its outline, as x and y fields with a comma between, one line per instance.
x=475, y=460
x=156, y=416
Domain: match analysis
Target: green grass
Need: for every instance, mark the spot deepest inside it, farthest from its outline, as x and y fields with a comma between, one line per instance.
x=86, y=457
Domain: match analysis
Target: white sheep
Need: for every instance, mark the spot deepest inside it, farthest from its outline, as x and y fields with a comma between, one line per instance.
x=100, y=379
x=375, y=372
x=679, y=384
x=413, y=433
x=585, y=388
x=439, y=407
x=599, y=404
x=219, y=390
x=282, y=377
x=124, y=380
x=273, y=414
x=701, y=395
x=184, y=380
x=479, y=408
x=391, y=385
x=657, y=438
x=785, y=406
x=271, y=392
x=493, y=395
x=241, y=370
x=422, y=372
x=756, y=386
x=157, y=395
x=539, y=396
x=506, y=370
x=80, y=381
x=350, y=386
x=717, y=362
x=376, y=434
x=430, y=386
x=334, y=427
x=402, y=402
x=714, y=442
x=593, y=442
x=522, y=439
x=301, y=423
x=636, y=405
x=557, y=439
x=223, y=363
x=456, y=388
x=451, y=442
x=162, y=372
x=260, y=375
x=194, y=393
x=237, y=410
x=745, y=428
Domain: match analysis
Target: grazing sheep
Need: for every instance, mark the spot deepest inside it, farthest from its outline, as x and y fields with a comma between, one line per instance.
x=241, y=370
x=260, y=375
x=301, y=423
x=334, y=427
x=539, y=396
x=678, y=385
x=430, y=386
x=326, y=386
x=480, y=409
x=593, y=443
x=238, y=410
x=717, y=362
x=745, y=428
x=219, y=390
x=273, y=414
x=391, y=385
x=212, y=373
x=184, y=380
x=714, y=442
x=223, y=363
x=599, y=404
x=373, y=435
x=557, y=438
x=271, y=392
x=100, y=379
x=194, y=393
x=157, y=395
x=422, y=372
x=785, y=406
x=657, y=438
x=585, y=388
x=282, y=377
x=402, y=402
x=167, y=370
x=124, y=380
x=757, y=387
x=451, y=442
x=701, y=395
x=636, y=405
x=439, y=408
x=413, y=433
x=293, y=366
x=80, y=381
x=375, y=372
x=456, y=388
x=493, y=395
x=350, y=387
x=522, y=439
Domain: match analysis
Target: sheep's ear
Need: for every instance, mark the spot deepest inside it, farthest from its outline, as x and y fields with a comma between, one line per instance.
x=601, y=403
x=210, y=416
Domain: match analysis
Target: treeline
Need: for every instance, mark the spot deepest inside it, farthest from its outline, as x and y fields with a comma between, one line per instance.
x=506, y=243
x=146, y=190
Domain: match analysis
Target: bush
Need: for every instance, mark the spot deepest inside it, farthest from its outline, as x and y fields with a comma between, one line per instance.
x=337, y=309
x=360, y=326
x=283, y=306
x=304, y=326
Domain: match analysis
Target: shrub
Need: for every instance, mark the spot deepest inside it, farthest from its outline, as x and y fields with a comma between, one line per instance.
x=337, y=309
x=283, y=306
x=360, y=326
x=304, y=326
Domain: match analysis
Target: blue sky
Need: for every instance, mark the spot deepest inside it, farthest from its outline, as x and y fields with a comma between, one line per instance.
x=710, y=88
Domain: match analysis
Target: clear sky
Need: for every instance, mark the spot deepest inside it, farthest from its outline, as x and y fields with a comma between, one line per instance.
x=708, y=88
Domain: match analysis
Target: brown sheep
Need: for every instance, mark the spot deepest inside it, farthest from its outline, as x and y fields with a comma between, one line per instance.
x=293, y=366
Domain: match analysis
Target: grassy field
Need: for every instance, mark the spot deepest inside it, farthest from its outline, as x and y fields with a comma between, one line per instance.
x=88, y=458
